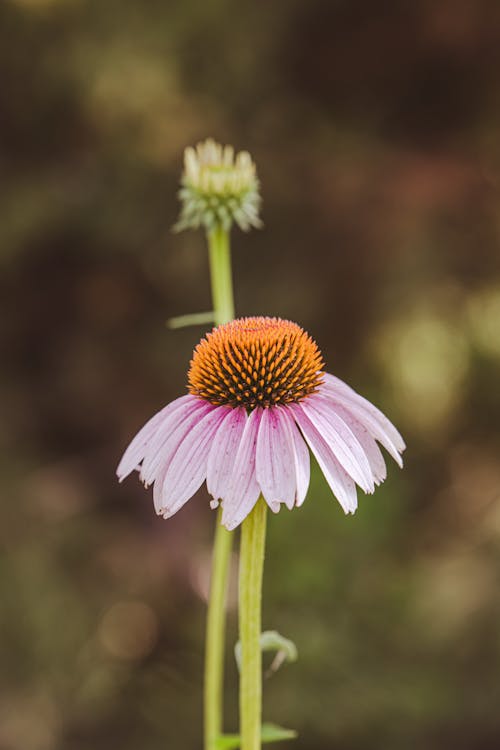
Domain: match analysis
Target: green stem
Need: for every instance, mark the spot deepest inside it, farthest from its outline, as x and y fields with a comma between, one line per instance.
x=215, y=635
x=222, y=295
x=220, y=275
x=253, y=537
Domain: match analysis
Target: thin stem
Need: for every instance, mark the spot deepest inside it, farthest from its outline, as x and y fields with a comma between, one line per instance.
x=253, y=537
x=222, y=295
x=220, y=275
x=215, y=635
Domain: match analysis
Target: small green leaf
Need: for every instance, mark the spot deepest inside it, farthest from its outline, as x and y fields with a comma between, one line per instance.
x=270, y=733
x=193, y=319
x=274, y=733
x=271, y=640
x=227, y=742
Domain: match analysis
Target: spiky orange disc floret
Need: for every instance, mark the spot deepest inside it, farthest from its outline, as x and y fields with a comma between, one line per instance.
x=255, y=362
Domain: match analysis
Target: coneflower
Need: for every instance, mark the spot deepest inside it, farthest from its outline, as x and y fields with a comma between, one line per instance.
x=258, y=398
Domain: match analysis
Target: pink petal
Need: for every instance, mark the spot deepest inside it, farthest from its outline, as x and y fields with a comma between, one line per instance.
x=170, y=449
x=374, y=457
x=367, y=442
x=243, y=491
x=274, y=461
x=188, y=468
x=375, y=421
x=135, y=452
x=340, y=438
x=340, y=482
x=301, y=460
x=169, y=435
x=370, y=448
x=223, y=452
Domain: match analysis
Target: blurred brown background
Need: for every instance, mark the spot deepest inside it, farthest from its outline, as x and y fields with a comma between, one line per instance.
x=375, y=128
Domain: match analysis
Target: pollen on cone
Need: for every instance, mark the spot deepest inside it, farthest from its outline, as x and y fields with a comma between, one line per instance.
x=255, y=362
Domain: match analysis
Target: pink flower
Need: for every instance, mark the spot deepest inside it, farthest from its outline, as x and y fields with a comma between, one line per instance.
x=258, y=398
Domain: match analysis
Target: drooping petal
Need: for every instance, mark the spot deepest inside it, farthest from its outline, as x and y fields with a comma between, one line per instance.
x=364, y=438
x=341, y=484
x=170, y=449
x=243, y=489
x=223, y=452
x=342, y=441
x=302, y=465
x=136, y=450
x=169, y=435
x=301, y=459
x=274, y=461
x=188, y=467
x=377, y=423
x=367, y=442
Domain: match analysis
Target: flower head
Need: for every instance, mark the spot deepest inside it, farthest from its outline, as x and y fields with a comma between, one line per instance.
x=258, y=399
x=218, y=188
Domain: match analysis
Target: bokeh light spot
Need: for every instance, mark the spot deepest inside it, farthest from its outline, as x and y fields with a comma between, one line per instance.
x=483, y=313
x=129, y=630
x=426, y=357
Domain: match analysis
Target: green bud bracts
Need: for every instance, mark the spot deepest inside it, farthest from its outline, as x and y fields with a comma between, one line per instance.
x=218, y=188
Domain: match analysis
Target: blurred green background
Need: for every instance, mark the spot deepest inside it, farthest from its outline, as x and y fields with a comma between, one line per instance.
x=375, y=128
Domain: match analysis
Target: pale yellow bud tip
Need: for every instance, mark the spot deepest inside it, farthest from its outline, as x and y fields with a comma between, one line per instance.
x=218, y=188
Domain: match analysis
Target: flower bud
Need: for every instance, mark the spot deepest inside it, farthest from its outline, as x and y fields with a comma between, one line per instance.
x=218, y=188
